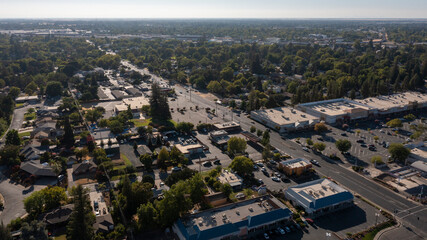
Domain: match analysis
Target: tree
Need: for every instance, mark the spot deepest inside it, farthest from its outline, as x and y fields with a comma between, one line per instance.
x=14, y=92
x=410, y=117
x=309, y=141
x=394, y=123
x=343, y=145
x=253, y=129
x=103, y=123
x=147, y=216
x=82, y=218
x=242, y=165
x=184, y=127
x=9, y=155
x=31, y=88
x=45, y=199
x=320, y=127
x=259, y=132
x=68, y=138
x=398, y=152
x=236, y=145
x=377, y=160
x=53, y=89
x=5, y=232
x=226, y=189
x=34, y=230
x=93, y=115
x=12, y=138
x=319, y=146
x=162, y=158
x=266, y=152
x=265, y=137
x=141, y=131
x=196, y=187
x=116, y=126
x=147, y=161
x=159, y=104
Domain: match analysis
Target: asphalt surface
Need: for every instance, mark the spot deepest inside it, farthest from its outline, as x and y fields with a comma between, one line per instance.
x=356, y=183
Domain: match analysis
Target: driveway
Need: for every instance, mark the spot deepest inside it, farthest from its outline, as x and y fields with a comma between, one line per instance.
x=14, y=195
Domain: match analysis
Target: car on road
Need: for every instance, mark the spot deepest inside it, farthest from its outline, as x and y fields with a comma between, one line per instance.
x=315, y=162
x=276, y=179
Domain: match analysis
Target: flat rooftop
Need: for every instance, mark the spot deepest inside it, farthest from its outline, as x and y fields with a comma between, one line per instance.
x=296, y=163
x=395, y=100
x=336, y=107
x=232, y=213
x=284, y=115
x=229, y=177
x=186, y=148
x=226, y=125
x=318, y=189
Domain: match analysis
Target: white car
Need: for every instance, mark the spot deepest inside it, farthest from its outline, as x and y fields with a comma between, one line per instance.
x=281, y=231
x=276, y=179
x=266, y=236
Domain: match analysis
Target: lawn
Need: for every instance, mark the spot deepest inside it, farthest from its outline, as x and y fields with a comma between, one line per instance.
x=23, y=134
x=18, y=105
x=62, y=237
x=30, y=116
x=141, y=122
x=126, y=163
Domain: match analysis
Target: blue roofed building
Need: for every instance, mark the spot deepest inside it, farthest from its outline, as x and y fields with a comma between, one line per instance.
x=241, y=220
x=319, y=197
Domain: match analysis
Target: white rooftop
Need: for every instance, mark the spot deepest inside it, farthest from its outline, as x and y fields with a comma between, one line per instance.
x=336, y=107
x=284, y=115
x=394, y=100
x=318, y=190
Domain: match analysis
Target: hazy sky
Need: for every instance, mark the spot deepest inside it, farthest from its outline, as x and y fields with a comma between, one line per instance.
x=213, y=9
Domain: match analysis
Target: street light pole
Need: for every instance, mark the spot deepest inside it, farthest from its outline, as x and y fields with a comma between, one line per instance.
x=376, y=218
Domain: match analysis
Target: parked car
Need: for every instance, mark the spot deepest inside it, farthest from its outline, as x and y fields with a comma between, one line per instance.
x=176, y=169
x=281, y=231
x=320, y=139
x=305, y=149
x=284, y=179
x=273, y=162
x=276, y=179
x=360, y=141
x=363, y=145
x=266, y=236
x=287, y=229
x=344, y=134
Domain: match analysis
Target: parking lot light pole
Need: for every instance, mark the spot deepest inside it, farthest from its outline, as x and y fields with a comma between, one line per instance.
x=376, y=218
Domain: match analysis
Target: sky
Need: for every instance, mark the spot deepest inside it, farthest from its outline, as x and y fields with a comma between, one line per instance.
x=213, y=9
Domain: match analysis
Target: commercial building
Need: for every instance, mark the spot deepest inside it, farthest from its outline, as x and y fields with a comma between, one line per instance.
x=389, y=105
x=135, y=105
x=231, y=178
x=228, y=127
x=319, y=197
x=219, y=138
x=337, y=110
x=284, y=119
x=241, y=220
x=296, y=166
x=189, y=149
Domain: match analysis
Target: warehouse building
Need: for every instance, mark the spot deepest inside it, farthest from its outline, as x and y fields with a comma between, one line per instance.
x=337, y=110
x=319, y=197
x=284, y=119
x=241, y=220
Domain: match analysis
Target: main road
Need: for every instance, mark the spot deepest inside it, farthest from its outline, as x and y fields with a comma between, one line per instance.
x=412, y=215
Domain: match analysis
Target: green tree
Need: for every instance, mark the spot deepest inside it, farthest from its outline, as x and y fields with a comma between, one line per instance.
x=31, y=88
x=34, y=230
x=319, y=146
x=226, y=189
x=196, y=188
x=43, y=200
x=242, y=165
x=410, y=117
x=9, y=155
x=309, y=141
x=320, y=127
x=142, y=131
x=159, y=104
x=259, y=132
x=394, y=123
x=12, y=138
x=53, y=89
x=236, y=145
x=343, y=145
x=147, y=161
x=116, y=126
x=377, y=160
x=103, y=123
x=93, y=115
x=398, y=152
x=162, y=158
x=147, y=216
x=184, y=127
x=14, y=92
x=173, y=204
x=82, y=218
x=265, y=137
x=68, y=138
x=5, y=232
x=253, y=129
